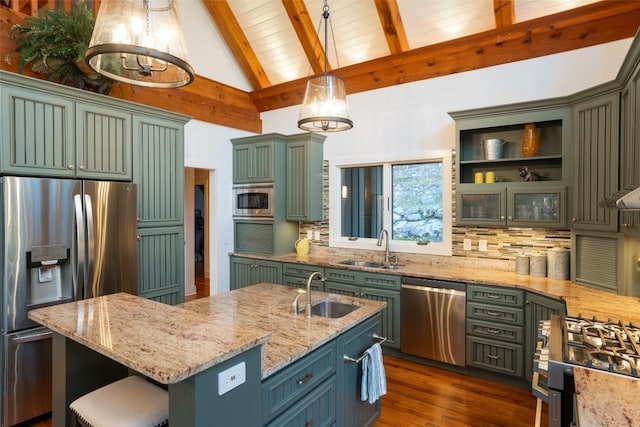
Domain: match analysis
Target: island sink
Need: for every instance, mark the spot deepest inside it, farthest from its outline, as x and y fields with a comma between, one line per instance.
x=332, y=309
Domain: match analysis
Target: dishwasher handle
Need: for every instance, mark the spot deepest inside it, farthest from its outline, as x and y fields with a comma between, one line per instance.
x=450, y=291
x=433, y=283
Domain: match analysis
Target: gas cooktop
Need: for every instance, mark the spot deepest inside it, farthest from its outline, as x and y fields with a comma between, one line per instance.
x=607, y=346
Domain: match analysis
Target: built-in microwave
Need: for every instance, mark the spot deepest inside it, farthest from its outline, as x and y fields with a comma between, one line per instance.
x=253, y=201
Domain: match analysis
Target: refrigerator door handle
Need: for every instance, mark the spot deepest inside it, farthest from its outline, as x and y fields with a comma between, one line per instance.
x=78, y=283
x=88, y=207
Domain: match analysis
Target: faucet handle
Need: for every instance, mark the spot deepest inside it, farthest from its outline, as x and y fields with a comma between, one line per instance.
x=295, y=308
x=394, y=258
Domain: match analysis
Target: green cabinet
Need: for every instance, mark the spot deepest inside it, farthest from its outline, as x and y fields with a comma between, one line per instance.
x=304, y=177
x=296, y=276
x=264, y=237
x=50, y=130
x=595, y=161
x=257, y=158
x=373, y=286
x=495, y=329
x=537, y=308
x=247, y=271
x=511, y=201
x=159, y=175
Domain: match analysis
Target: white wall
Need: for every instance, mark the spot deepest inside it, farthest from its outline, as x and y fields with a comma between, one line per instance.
x=410, y=118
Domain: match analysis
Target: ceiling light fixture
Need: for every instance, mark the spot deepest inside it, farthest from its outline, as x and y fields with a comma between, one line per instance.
x=140, y=42
x=324, y=107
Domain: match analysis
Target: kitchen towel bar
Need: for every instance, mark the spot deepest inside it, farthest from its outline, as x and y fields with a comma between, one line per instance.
x=348, y=358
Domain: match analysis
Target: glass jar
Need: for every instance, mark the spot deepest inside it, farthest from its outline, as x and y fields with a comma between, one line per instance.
x=530, y=143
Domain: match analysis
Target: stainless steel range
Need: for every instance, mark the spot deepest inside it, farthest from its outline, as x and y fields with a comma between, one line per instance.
x=602, y=345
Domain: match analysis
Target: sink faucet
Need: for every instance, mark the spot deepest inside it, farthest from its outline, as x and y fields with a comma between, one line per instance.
x=384, y=234
x=307, y=308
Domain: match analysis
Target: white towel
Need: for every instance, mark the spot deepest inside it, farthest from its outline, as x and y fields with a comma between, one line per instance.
x=374, y=380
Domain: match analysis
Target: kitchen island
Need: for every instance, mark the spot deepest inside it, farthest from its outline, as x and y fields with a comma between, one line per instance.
x=100, y=340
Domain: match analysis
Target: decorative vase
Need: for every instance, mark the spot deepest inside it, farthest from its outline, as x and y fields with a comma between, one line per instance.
x=530, y=144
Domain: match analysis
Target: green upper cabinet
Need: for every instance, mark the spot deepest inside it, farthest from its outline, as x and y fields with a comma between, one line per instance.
x=304, y=177
x=595, y=160
x=512, y=200
x=52, y=130
x=256, y=158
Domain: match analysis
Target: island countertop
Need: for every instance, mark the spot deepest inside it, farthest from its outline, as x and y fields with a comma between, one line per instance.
x=268, y=307
x=163, y=342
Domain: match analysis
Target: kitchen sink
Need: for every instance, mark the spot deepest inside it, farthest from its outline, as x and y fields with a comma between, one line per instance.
x=332, y=309
x=370, y=264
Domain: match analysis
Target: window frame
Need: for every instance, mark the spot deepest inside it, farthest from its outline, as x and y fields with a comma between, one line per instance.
x=398, y=246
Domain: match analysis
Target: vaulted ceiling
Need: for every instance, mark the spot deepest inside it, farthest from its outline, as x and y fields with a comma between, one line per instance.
x=379, y=43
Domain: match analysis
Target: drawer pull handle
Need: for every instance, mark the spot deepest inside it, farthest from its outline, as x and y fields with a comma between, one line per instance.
x=492, y=313
x=491, y=356
x=493, y=331
x=493, y=296
x=305, y=379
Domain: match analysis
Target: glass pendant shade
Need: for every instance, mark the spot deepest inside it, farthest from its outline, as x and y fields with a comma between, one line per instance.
x=324, y=107
x=140, y=42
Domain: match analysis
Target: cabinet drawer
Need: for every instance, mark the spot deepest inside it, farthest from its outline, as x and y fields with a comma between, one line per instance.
x=318, y=408
x=495, y=295
x=495, y=356
x=300, y=270
x=496, y=331
x=298, y=282
x=513, y=316
x=282, y=389
x=353, y=277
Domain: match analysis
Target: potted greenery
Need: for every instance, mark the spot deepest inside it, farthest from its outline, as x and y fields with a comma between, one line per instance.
x=53, y=43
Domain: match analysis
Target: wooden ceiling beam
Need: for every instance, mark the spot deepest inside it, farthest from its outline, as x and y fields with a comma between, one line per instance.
x=505, y=12
x=237, y=42
x=588, y=25
x=391, y=22
x=307, y=34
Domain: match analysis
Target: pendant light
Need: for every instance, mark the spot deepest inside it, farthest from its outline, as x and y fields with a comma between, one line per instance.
x=324, y=107
x=140, y=42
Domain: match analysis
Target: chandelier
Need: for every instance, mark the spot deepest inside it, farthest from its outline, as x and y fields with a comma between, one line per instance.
x=140, y=42
x=324, y=107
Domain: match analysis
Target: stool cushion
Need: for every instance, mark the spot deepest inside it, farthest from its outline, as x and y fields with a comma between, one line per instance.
x=130, y=402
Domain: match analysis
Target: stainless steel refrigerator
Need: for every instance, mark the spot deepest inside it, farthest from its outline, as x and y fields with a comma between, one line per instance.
x=62, y=240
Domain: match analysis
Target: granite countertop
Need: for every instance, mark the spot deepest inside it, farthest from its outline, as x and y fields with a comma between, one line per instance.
x=163, y=342
x=268, y=307
x=581, y=300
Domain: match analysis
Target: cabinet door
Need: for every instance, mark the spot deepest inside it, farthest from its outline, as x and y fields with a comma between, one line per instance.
x=390, y=315
x=159, y=171
x=536, y=206
x=263, y=162
x=481, y=204
x=242, y=163
x=304, y=178
x=595, y=162
x=537, y=308
x=103, y=149
x=38, y=135
x=161, y=264
x=268, y=271
x=241, y=273
x=630, y=146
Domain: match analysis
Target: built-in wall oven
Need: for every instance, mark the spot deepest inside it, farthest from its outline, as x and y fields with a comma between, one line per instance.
x=253, y=201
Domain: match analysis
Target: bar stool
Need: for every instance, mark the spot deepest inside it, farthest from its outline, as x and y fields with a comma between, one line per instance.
x=129, y=402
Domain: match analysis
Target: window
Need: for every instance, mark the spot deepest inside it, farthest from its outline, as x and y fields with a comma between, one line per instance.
x=410, y=199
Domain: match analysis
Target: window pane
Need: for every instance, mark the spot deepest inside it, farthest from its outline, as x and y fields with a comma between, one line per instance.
x=417, y=202
x=361, y=195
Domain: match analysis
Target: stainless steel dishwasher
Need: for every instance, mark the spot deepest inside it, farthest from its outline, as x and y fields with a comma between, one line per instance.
x=433, y=319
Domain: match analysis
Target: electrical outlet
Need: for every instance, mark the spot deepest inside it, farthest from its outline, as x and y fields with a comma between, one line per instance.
x=316, y=235
x=231, y=378
x=310, y=234
x=466, y=244
x=482, y=245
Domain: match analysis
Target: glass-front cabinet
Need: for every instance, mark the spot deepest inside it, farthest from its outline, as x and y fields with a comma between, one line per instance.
x=501, y=181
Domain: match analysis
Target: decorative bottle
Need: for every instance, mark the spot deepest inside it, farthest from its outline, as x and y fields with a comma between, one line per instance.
x=530, y=143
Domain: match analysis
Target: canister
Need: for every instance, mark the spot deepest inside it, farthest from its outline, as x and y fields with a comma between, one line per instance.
x=522, y=264
x=538, y=265
x=490, y=177
x=478, y=178
x=558, y=263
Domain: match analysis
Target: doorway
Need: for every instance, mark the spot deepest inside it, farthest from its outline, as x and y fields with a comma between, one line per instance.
x=196, y=215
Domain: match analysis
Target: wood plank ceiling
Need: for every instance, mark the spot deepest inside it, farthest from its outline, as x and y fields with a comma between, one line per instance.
x=379, y=43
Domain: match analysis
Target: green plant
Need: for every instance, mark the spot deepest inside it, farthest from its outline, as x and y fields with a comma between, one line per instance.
x=53, y=41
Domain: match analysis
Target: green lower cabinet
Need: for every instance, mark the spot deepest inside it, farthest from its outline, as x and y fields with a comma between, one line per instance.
x=537, y=308
x=296, y=276
x=246, y=272
x=495, y=355
x=161, y=264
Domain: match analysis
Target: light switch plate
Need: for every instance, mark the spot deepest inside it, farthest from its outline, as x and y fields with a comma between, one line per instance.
x=466, y=244
x=231, y=378
x=482, y=245
x=316, y=235
x=310, y=234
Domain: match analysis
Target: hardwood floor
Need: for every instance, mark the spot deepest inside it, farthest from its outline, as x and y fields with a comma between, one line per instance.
x=420, y=395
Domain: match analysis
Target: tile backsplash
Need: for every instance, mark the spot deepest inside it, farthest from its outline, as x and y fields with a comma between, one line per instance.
x=503, y=244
